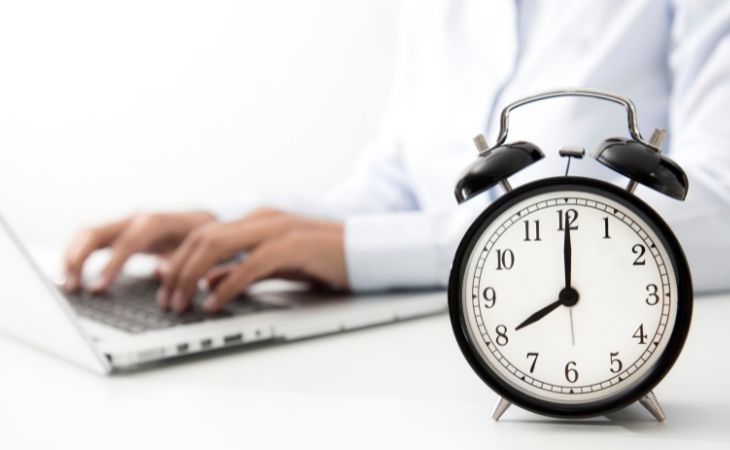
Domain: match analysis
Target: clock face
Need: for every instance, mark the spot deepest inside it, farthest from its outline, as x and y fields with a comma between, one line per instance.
x=569, y=295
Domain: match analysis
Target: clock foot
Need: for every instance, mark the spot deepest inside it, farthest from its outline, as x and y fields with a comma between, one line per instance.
x=501, y=407
x=650, y=402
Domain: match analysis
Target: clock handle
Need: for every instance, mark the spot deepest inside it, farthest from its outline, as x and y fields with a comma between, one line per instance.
x=568, y=92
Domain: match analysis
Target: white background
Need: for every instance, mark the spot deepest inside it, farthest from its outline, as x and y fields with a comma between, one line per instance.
x=109, y=107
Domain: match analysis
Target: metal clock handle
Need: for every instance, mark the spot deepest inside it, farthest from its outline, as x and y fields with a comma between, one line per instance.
x=625, y=102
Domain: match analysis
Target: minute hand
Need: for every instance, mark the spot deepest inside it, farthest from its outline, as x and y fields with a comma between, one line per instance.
x=567, y=253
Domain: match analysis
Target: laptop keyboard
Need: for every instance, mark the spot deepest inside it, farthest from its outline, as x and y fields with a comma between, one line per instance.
x=130, y=306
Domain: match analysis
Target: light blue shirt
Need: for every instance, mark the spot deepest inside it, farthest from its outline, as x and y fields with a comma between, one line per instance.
x=461, y=62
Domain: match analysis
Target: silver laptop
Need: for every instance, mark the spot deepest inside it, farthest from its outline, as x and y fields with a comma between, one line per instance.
x=125, y=329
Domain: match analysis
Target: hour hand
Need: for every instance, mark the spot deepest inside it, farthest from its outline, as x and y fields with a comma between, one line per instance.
x=540, y=314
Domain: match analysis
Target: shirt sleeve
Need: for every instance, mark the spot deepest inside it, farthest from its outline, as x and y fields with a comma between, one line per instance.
x=699, y=139
x=406, y=249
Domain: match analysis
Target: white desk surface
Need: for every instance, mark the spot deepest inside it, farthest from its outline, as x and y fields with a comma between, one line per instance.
x=399, y=386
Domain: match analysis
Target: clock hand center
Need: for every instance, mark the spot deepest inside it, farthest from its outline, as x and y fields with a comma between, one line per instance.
x=568, y=296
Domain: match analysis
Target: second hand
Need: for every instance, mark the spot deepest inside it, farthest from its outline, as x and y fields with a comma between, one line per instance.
x=572, y=333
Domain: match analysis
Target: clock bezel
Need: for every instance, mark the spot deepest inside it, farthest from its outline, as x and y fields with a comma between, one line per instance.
x=553, y=408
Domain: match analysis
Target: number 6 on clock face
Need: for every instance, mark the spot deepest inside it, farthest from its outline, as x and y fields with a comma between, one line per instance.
x=570, y=297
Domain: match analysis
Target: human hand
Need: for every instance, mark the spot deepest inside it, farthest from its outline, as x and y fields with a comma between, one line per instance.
x=277, y=244
x=140, y=233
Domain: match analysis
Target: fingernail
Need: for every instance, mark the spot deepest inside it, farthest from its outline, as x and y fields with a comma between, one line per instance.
x=161, y=297
x=98, y=285
x=177, y=300
x=210, y=302
x=71, y=283
x=203, y=284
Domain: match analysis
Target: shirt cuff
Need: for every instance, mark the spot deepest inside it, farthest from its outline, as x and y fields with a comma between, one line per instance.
x=404, y=249
x=389, y=250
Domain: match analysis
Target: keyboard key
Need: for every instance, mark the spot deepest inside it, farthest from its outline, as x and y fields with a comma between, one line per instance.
x=130, y=306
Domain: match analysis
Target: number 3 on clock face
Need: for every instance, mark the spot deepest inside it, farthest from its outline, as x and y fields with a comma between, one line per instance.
x=569, y=297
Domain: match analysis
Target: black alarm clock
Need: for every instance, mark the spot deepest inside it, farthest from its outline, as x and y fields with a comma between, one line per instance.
x=569, y=296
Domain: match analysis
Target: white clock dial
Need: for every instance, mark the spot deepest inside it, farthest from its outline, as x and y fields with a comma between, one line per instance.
x=622, y=316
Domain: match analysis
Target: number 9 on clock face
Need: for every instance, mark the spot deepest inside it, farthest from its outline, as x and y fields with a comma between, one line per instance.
x=570, y=297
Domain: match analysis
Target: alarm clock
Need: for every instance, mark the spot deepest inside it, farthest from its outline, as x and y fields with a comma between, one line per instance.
x=570, y=296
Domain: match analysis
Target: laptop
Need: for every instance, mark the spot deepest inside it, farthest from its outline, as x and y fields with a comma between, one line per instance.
x=125, y=330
